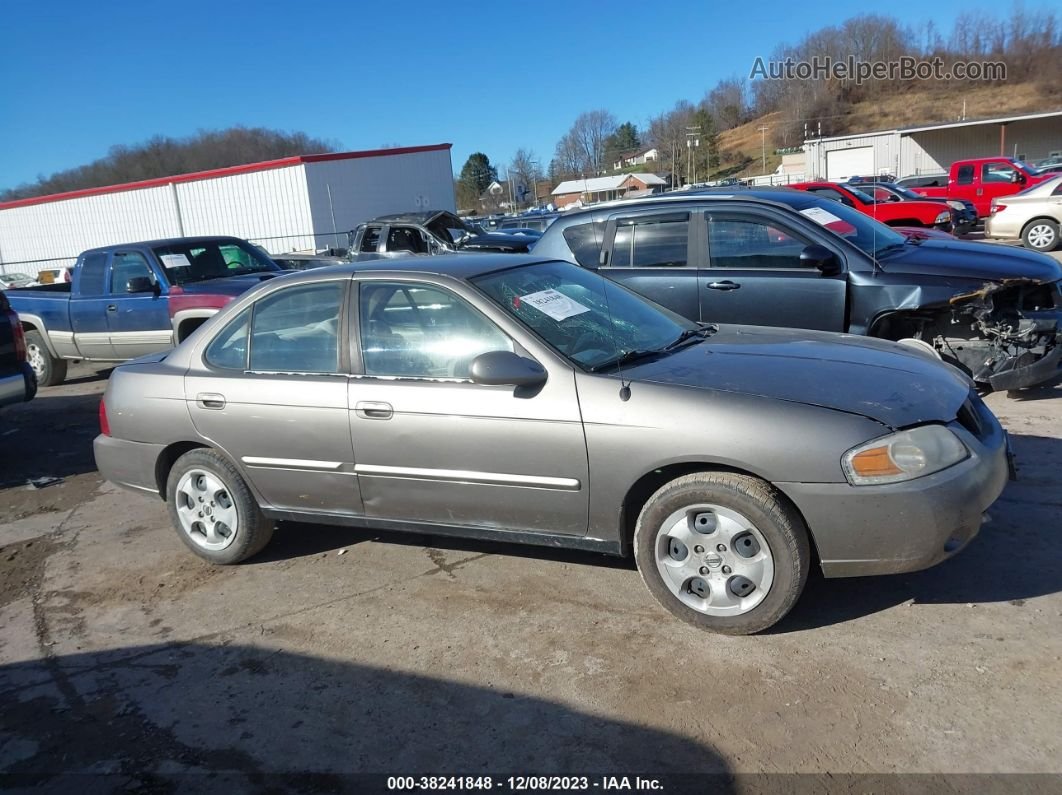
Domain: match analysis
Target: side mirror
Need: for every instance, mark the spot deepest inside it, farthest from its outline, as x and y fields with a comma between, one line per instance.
x=142, y=284
x=496, y=368
x=822, y=258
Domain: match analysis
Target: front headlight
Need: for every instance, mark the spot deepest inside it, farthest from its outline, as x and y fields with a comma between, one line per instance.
x=943, y=218
x=904, y=455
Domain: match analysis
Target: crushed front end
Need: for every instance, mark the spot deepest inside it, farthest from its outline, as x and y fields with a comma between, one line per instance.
x=1006, y=334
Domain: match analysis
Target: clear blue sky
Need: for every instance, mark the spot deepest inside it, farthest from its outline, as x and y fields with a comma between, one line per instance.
x=79, y=77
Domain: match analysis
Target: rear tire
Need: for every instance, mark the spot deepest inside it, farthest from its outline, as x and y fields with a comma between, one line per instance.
x=49, y=370
x=213, y=510
x=1041, y=234
x=723, y=552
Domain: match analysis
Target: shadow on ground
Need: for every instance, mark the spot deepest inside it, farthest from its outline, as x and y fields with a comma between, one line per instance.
x=236, y=718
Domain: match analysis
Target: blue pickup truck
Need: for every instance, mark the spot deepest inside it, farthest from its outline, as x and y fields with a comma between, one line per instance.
x=134, y=299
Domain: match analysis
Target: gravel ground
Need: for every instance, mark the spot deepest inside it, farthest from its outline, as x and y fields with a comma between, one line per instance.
x=338, y=651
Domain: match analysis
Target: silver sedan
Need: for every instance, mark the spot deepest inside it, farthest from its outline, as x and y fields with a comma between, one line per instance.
x=532, y=401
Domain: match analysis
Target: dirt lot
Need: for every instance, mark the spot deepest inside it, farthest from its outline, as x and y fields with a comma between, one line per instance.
x=338, y=651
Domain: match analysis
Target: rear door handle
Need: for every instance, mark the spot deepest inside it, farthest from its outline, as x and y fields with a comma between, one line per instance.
x=112, y=307
x=210, y=400
x=369, y=410
x=727, y=285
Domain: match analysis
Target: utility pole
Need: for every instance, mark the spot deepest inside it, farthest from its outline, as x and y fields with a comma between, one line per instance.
x=693, y=141
x=763, y=145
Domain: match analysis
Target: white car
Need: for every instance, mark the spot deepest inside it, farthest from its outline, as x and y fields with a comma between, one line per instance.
x=15, y=280
x=1034, y=216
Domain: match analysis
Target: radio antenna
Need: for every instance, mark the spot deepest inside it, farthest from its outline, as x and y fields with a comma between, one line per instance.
x=625, y=388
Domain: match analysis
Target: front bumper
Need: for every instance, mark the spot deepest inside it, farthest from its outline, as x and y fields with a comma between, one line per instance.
x=1039, y=372
x=903, y=527
x=128, y=464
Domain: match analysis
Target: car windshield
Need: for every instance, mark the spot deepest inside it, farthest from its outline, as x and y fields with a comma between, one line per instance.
x=1044, y=188
x=907, y=194
x=872, y=237
x=1021, y=164
x=196, y=261
x=591, y=320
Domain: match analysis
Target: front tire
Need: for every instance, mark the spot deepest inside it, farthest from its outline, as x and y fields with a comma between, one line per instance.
x=213, y=510
x=49, y=370
x=1041, y=235
x=722, y=552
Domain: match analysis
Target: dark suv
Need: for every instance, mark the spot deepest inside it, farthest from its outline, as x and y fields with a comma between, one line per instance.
x=780, y=257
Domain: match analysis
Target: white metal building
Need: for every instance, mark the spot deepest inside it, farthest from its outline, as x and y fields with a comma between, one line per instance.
x=934, y=147
x=296, y=203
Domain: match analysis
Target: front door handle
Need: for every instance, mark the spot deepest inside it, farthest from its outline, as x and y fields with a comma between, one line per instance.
x=369, y=410
x=112, y=307
x=726, y=285
x=210, y=400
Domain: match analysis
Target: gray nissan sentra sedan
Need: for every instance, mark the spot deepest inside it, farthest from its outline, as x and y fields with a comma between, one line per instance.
x=505, y=397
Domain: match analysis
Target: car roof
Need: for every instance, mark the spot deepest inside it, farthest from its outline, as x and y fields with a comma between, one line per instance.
x=421, y=218
x=459, y=266
x=789, y=197
x=170, y=241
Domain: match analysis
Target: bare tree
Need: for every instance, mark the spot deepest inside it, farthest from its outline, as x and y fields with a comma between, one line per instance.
x=581, y=152
x=525, y=173
x=667, y=133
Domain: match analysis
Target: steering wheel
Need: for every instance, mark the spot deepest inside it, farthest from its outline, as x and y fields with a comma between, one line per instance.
x=586, y=341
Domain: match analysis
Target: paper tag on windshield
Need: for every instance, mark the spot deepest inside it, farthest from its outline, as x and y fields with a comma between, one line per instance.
x=820, y=216
x=557, y=305
x=175, y=261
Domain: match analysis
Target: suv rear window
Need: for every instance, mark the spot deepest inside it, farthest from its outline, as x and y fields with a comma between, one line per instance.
x=585, y=242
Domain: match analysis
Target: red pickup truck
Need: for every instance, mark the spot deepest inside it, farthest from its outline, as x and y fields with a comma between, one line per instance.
x=982, y=179
x=904, y=213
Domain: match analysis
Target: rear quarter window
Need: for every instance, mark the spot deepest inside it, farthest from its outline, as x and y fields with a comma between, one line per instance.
x=92, y=280
x=584, y=241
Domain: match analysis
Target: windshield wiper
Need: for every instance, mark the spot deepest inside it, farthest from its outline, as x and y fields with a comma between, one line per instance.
x=626, y=358
x=704, y=331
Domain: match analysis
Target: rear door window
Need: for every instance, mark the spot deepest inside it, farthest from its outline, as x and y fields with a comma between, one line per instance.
x=297, y=330
x=655, y=241
x=965, y=175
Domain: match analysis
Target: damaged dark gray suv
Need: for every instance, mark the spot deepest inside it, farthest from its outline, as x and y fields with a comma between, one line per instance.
x=780, y=257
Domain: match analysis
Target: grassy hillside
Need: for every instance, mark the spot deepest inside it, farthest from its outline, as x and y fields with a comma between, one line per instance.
x=912, y=107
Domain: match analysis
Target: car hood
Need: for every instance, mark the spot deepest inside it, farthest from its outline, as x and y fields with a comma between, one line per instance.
x=228, y=285
x=984, y=262
x=884, y=381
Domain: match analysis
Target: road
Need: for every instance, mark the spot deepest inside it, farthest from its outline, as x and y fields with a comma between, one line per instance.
x=337, y=651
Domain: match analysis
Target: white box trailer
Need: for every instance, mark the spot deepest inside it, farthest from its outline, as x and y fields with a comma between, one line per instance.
x=292, y=204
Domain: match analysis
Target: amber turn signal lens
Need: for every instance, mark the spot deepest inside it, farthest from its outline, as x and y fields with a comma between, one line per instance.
x=874, y=462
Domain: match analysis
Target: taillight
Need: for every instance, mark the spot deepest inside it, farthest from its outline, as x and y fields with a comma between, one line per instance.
x=998, y=208
x=105, y=427
x=20, y=337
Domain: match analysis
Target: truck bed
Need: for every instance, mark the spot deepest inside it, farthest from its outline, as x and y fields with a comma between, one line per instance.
x=43, y=290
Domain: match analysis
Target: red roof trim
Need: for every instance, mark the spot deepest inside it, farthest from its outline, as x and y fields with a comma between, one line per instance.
x=265, y=165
